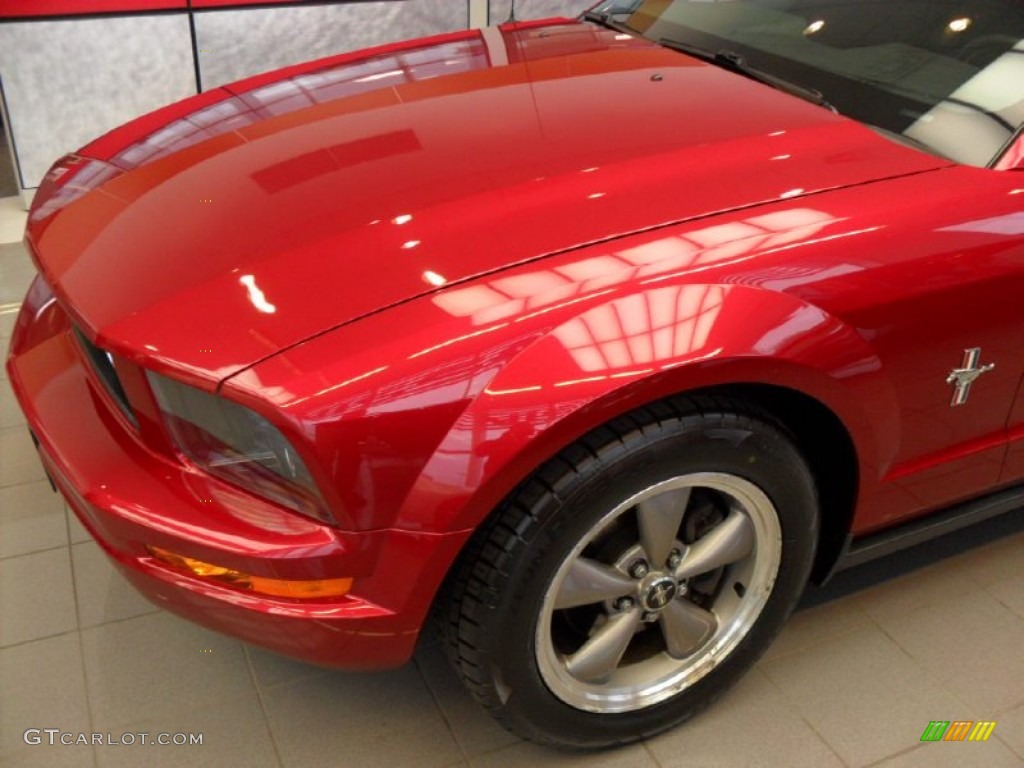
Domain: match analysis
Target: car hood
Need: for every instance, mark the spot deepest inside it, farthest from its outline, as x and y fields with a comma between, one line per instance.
x=228, y=227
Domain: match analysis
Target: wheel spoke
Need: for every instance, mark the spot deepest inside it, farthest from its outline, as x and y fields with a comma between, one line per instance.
x=659, y=518
x=595, y=661
x=589, y=581
x=686, y=627
x=729, y=541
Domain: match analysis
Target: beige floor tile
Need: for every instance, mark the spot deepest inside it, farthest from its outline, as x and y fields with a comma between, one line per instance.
x=36, y=596
x=373, y=719
x=7, y=318
x=1010, y=592
x=43, y=686
x=17, y=271
x=19, y=462
x=11, y=207
x=752, y=725
x=862, y=694
x=11, y=230
x=972, y=645
x=270, y=669
x=160, y=666
x=234, y=735
x=1010, y=730
x=46, y=756
x=476, y=731
x=77, y=532
x=10, y=413
x=810, y=626
x=12, y=220
x=925, y=586
x=995, y=561
x=526, y=754
x=32, y=519
x=102, y=593
x=990, y=754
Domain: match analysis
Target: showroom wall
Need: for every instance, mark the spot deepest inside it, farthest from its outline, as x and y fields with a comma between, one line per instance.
x=71, y=70
x=66, y=81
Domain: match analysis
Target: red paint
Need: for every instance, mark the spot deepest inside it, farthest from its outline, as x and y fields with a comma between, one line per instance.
x=531, y=176
x=1013, y=158
x=14, y=9
x=43, y=8
x=604, y=239
x=243, y=4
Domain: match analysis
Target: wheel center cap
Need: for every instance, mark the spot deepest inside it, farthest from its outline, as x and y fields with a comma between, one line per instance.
x=657, y=592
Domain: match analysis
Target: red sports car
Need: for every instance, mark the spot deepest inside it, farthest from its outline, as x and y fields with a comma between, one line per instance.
x=598, y=337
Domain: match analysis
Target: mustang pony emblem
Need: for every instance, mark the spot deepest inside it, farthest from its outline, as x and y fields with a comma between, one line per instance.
x=660, y=593
x=964, y=376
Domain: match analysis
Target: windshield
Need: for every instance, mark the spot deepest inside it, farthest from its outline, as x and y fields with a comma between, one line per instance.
x=945, y=76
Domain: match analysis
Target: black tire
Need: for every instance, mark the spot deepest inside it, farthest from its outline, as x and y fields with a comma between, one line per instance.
x=517, y=634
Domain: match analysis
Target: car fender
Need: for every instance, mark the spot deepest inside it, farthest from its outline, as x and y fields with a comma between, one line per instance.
x=603, y=362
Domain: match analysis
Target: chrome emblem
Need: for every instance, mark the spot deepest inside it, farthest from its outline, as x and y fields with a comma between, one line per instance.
x=660, y=593
x=961, y=378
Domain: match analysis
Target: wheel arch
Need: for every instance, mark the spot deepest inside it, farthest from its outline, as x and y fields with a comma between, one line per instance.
x=827, y=446
x=508, y=556
x=806, y=370
x=818, y=434
x=818, y=377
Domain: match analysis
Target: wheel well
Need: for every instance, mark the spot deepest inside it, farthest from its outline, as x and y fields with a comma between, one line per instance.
x=828, y=448
x=822, y=440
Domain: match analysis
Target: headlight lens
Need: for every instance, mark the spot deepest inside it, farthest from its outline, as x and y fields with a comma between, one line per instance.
x=237, y=444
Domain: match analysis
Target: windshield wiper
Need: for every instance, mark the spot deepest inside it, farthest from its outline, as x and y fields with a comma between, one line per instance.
x=607, y=19
x=736, y=62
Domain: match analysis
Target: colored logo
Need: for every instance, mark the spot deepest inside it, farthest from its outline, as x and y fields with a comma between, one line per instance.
x=958, y=730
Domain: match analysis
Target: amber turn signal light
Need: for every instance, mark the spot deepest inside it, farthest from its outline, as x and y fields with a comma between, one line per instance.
x=260, y=584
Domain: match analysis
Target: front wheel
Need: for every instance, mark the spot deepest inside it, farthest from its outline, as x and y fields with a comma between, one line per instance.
x=636, y=576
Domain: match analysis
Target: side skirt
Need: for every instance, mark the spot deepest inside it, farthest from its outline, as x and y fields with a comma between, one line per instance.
x=862, y=549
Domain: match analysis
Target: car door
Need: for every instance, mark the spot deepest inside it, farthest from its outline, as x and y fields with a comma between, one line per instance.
x=929, y=270
x=1012, y=163
x=948, y=330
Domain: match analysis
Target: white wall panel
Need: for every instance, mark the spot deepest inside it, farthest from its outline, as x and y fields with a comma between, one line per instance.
x=236, y=44
x=66, y=82
x=538, y=9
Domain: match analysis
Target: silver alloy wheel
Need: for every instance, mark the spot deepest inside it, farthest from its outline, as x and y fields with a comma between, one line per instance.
x=648, y=639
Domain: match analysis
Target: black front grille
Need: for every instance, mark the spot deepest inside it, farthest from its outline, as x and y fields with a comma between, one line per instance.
x=102, y=363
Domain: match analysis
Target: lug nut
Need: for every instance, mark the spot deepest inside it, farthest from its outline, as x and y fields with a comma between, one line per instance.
x=638, y=569
x=624, y=603
x=675, y=557
x=649, y=617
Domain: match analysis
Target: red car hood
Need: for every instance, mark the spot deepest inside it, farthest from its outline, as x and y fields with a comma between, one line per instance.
x=235, y=224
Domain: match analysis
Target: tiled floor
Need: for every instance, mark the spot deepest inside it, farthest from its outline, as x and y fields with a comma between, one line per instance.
x=8, y=183
x=936, y=633
x=12, y=223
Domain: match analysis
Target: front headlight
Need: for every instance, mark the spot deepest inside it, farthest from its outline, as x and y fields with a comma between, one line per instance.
x=229, y=440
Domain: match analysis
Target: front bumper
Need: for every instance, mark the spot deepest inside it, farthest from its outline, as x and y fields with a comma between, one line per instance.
x=130, y=497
